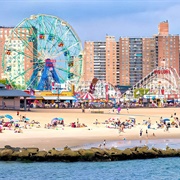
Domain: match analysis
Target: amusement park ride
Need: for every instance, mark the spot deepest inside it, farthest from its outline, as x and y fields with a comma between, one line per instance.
x=40, y=50
x=163, y=83
x=100, y=90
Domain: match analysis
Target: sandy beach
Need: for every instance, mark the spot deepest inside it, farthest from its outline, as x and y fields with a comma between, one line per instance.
x=60, y=137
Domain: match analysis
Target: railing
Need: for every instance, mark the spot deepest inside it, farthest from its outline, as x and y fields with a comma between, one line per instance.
x=9, y=107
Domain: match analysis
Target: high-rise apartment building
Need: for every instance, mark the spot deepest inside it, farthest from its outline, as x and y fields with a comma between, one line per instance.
x=111, y=60
x=16, y=54
x=100, y=61
x=88, y=64
x=148, y=55
x=163, y=28
x=128, y=60
x=4, y=33
x=167, y=47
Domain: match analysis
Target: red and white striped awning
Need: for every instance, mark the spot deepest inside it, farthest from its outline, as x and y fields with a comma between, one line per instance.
x=87, y=96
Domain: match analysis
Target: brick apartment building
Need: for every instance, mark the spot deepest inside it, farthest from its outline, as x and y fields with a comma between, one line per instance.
x=128, y=60
x=15, y=55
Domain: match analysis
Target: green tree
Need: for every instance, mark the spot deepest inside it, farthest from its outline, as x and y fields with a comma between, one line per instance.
x=3, y=81
x=140, y=92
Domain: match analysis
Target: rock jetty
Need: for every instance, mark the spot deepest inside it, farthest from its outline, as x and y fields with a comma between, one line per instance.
x=9, y=153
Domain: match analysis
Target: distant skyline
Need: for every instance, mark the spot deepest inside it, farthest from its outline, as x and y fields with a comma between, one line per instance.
x=93, y=20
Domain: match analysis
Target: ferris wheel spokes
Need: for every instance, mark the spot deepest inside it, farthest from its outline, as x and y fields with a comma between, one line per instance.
x=66, y=50
x=42, y=38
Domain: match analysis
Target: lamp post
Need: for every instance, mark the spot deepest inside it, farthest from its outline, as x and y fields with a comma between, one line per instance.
x=58, y=98
x=58, y=87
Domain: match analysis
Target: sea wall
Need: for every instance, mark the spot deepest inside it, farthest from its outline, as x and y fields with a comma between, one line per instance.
x=9, y=153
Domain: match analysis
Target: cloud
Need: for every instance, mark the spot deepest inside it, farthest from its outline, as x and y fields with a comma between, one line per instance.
x=92, y=20
x=141, y=24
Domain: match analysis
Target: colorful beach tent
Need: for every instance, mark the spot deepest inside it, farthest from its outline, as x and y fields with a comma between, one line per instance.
x=87, y=96
x=57, y=119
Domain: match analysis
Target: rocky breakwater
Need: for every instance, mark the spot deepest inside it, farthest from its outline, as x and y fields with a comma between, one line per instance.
x=9, y=153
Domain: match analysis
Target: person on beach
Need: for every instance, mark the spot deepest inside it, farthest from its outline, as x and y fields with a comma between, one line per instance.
x=1, y=128
x=104, y=143
x=4, y=105
x=161, y=120
x=82, y=107
x=118, y=109
x=140, y=133
x=167, y=127
x=96, y=122
x=177, y=121
x=146, y=132
x=122, y=127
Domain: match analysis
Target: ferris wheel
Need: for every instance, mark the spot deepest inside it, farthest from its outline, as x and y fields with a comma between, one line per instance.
x=40, y=50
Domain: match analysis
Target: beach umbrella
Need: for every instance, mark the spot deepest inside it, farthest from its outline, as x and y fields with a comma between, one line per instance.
x=87, y=96
x=8, y=116
x=166, y=119
x=55, y=119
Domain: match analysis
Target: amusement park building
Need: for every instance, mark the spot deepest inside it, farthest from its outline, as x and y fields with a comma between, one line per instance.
x=128, y=60
x=10, y=99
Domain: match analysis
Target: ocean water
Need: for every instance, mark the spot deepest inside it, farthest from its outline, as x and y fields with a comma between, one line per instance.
x=149, y=169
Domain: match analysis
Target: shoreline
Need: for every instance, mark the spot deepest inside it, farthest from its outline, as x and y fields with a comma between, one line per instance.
x=60, y=143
